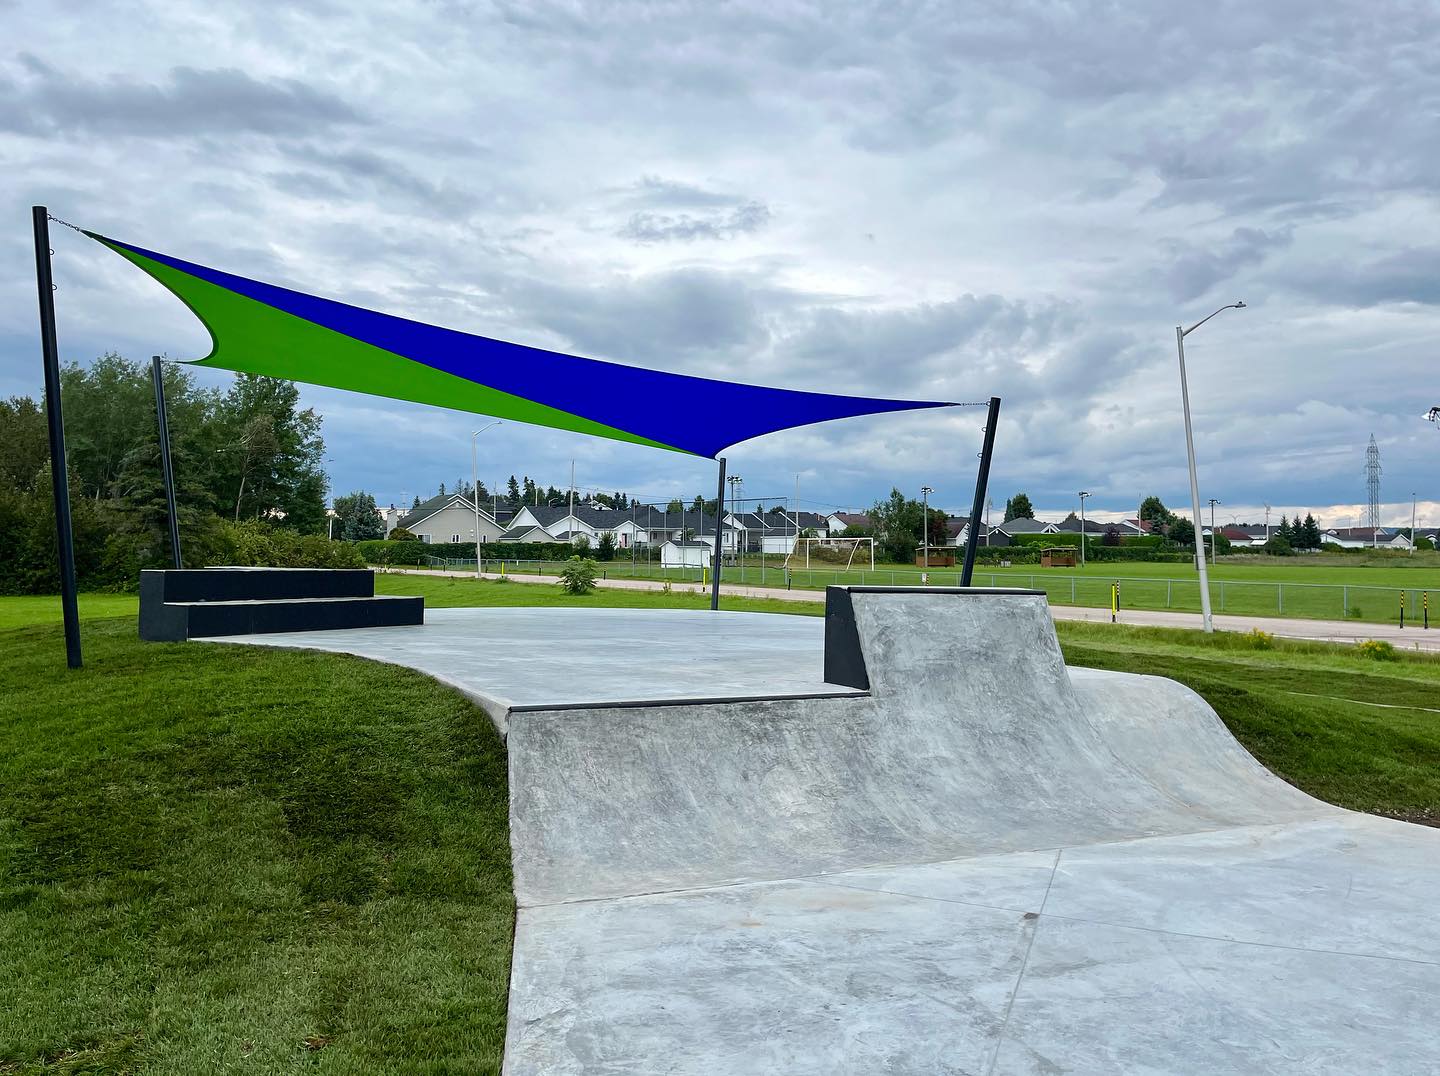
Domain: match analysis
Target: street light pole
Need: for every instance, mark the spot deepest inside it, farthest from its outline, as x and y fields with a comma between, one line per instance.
x=1412, y=523
x=925, y=492
x=1213, y=503
x=475, y=490
x=1180, y=334
x=1083, y=494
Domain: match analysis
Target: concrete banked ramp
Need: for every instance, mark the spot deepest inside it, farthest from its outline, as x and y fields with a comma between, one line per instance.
x=986, y=863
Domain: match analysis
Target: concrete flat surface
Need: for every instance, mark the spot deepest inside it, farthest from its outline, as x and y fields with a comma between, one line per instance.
x=988, y=864
x=503, y=658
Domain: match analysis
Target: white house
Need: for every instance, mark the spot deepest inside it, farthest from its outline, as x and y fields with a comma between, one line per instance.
x=1364, y=538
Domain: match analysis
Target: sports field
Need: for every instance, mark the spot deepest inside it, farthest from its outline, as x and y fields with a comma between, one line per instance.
x=1323, y=588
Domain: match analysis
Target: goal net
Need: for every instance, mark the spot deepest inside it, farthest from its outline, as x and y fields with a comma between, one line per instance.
x=836, y=552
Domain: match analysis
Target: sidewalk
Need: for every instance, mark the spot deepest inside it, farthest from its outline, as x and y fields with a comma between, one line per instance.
x=1328, y=631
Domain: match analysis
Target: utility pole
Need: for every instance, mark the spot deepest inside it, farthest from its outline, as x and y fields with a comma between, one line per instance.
x=475, y=490
x=1213, y=503
x=734, y=481
x=1412, y=523
x=1083, y=494
x=1267, y=524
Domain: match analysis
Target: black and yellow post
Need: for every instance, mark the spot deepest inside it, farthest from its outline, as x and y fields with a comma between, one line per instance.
x=1425, y=605
x=1114, y=601
x=1402, y=608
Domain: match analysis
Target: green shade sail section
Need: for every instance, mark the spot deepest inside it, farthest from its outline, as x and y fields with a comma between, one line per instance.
x=260, y=328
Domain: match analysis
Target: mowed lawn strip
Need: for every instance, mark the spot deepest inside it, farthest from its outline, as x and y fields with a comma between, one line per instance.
x=217, y=858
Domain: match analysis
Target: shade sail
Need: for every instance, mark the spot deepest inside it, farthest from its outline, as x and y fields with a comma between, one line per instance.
x=260, y=328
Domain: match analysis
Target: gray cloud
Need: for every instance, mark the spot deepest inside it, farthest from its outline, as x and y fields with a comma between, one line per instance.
x=43, y=100
x=668, y=227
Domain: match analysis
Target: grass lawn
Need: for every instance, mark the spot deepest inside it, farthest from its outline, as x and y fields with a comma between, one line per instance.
x=217, y=858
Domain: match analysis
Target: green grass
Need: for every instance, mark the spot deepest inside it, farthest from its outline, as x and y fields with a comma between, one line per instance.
x=212, y=856
x=1311, y=587
x=219, y=858
x=44, y=609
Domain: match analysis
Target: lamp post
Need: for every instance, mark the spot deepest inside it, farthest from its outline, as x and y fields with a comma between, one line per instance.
x=925, y=492
x=1412, y=523
x=1180, y=335
x=1082, y=495
x=734, y=481
x=1213, y=503
x=475, y=489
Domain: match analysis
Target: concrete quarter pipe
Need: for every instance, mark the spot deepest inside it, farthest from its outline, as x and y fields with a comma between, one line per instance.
x=977, y=862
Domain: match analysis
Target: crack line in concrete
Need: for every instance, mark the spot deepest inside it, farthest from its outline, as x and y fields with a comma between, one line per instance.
x=1024, y=963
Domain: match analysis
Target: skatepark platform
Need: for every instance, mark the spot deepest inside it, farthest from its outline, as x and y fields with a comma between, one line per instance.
x=979, y=862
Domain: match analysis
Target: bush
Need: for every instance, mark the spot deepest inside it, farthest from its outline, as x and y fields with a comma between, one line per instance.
x=400, y=534
x=252, y=544
x=1376, y=650
x=403, y=552
x=606, y=550
x=1256, y=639
x=578, y=576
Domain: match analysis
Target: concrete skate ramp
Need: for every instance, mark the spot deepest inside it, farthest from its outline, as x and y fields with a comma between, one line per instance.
x=988, y=864
x=974, y=739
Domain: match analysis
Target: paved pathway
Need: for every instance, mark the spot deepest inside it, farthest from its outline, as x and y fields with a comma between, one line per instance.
x=1332, y=631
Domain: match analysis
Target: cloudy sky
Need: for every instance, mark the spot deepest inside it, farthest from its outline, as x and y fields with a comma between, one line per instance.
x=944, y=201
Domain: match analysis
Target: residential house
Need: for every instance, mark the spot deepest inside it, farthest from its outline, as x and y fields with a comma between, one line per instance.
x=450, y=518
x=1364, y=538
x=1025, y=525
x=695, y=553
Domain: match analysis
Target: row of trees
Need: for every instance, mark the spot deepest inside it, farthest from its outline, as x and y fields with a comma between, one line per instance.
x=523, y=491
x=246, y=453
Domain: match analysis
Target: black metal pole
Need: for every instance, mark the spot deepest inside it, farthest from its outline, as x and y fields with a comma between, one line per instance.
x=719, y=528
x=59, y=475
x=167, y=470
x=982, y=480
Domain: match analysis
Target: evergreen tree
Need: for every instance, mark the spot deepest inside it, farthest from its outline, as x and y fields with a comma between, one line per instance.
x=528, y=490
x=356, y=518
x=512, y=494
x=1310, y=533
x=1019, y=507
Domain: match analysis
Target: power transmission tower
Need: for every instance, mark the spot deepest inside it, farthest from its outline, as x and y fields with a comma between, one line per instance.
x=1372, y=485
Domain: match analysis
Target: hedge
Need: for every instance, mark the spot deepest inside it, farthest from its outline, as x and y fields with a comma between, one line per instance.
x=413, y=553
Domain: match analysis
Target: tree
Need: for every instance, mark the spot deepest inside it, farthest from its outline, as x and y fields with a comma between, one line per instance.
x=606, y=548
x=416, y=504
x=1279, y=546
x=271, y=453
x=1309, y=533
x=897, y=521
x=402, y=534
x=442, y=489
x=1154, y=512
x=675, y=506
x=357, y=519
x=24, y=442
x=512, y=494
x=1111, y=537
x=1182, y=532
x=1019, y=507
x=527, y=490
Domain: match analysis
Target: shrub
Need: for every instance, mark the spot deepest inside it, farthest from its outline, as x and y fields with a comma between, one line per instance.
x=1376, y=650
x=606, y=550
x=577, y=576
x=252, y=544
x=581, y=544
x=400, y=534
x=1256, y=639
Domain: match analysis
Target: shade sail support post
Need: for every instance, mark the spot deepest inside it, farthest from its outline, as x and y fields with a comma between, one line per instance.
x=59, y=474
x=715, y=557
x=982, y=482
x=167, y=468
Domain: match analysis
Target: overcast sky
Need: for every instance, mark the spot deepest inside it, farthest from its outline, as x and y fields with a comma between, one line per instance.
x=943, y=201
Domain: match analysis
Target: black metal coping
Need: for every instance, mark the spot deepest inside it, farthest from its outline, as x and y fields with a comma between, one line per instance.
x=931, y=590
x=630, y=704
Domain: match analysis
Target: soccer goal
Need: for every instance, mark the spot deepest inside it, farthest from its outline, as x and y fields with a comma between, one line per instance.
x=832, y=552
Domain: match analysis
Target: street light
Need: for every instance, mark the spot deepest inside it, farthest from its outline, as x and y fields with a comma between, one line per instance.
x=1082, y=495
x=925, y=492
x=1180, y=335
x=475, y=490
x=1412, y=523
x=1213, y=503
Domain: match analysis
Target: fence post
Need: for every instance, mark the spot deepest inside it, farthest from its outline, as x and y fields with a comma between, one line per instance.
x=1072, y=590
x=1344, y=601
x=1425, y=597
x=1222, y=595
x=1402, y=608
x=1280, y=597
x=1168, y=584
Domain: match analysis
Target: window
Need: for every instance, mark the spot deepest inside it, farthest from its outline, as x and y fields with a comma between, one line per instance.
x=424, y=538
x=455, y=538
